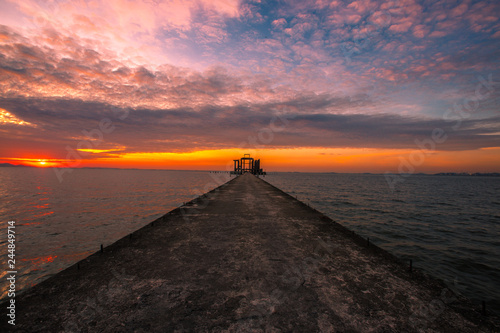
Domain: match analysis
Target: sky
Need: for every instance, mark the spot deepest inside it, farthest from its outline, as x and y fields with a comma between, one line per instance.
x=311, y=85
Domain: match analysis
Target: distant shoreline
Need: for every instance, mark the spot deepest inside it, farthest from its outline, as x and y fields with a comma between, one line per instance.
x=462, y=174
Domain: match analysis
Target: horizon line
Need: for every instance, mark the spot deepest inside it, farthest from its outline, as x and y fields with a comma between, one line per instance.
x=463, y=173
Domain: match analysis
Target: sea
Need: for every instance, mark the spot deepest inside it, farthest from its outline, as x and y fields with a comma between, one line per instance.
x=449, y=226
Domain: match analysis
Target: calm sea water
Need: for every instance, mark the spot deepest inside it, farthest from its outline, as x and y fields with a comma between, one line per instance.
x=448, y=226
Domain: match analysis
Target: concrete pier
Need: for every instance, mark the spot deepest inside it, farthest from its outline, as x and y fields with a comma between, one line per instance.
x=245, y=257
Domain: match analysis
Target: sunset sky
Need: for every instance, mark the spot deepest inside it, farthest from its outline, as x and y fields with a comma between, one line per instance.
x=334, y=86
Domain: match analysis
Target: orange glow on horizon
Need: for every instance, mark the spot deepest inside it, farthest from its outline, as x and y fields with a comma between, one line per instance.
x=34, y=162
x=294, y=159
x=43, y=163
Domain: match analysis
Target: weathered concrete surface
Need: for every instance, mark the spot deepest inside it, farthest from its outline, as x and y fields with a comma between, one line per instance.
x=253, y=259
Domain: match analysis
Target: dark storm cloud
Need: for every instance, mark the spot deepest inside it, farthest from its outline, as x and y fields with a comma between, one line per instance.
x=61, y=122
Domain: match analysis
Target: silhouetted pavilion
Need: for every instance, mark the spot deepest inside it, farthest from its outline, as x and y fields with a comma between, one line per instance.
x=247, y=164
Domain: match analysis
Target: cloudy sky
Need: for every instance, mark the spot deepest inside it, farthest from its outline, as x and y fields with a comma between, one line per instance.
x=346, y=86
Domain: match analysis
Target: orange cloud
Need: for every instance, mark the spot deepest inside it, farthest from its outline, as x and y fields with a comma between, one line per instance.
x=8, y=118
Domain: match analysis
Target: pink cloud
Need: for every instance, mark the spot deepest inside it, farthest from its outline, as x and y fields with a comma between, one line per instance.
x=402, y=27
x=249, y=12
x=211, y=34
x=380, y=18
x=420, y=31
x=459, y=10
x=438, y=34
x=389, y=47
x=279, y=24
x=130, y=29
x=420, y=68
x=441, y=17
x=140, y=36
x=363, y=6
x=341, y=19
x=301, y=28
x=86, y=75
x=310, y=54
x=482, y=16
x=449, y=25
x=353, y=18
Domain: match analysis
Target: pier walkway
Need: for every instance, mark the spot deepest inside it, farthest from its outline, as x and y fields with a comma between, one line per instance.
x=245, y=257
